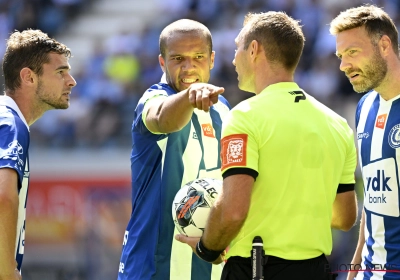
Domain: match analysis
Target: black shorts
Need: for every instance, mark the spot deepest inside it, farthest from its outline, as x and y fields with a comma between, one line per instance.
x=238, y=268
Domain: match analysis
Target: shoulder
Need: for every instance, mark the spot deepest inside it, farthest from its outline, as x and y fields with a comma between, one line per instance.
x=156, y=90
x=10, y=120
x=242, y=115
x=12, y=128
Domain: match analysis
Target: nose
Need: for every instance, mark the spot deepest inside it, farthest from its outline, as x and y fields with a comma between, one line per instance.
x=71, y=81
x=188, y=64
x=344, y=65
x=234, y=62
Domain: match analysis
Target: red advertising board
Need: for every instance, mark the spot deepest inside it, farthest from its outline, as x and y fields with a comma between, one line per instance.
x=64, y=211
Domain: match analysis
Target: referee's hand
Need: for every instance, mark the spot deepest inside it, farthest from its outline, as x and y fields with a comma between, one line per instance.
x=192, y=242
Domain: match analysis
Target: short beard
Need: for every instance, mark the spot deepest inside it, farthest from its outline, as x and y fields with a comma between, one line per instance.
x=46, y=98
x=373, y=74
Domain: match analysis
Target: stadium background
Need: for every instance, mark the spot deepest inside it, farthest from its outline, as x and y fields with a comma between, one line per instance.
x=79, y=198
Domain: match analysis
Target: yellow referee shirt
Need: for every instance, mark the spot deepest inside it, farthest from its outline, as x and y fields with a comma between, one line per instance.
x=302, y=151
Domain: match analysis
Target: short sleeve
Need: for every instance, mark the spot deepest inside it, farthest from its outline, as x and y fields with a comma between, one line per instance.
x=350, y=161
x=13, y=146
x=148, y=98
x=240, y=141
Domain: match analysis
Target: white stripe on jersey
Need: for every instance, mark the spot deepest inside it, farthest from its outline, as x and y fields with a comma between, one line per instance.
x=363, y=117
x=191, y=156
x=20, y=240
x=380, y=253
x=377, y=137
x=210, y=146
x=163, y=146
x=179, y=252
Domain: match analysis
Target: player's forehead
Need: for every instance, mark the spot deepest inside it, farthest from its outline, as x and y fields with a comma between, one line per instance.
x=239, y=40
x=56, y=62
x=356, y=37
x=187, y=44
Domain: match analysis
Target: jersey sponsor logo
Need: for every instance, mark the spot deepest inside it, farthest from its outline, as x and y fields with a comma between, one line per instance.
x=378, y=183
x=208, y=130
x=381, y=121
x=381, y=187
x=362, y=135
x=14, y=150
x=394, y=136
x=299, y=95
x=234, y=150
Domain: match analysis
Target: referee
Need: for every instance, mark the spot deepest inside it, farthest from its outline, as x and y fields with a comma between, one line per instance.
x=288, y=164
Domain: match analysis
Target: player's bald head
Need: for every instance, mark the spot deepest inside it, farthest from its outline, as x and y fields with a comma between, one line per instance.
x=184, y=26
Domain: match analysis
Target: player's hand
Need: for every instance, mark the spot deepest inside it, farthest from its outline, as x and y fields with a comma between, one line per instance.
x=202, y=96
x=192, y=242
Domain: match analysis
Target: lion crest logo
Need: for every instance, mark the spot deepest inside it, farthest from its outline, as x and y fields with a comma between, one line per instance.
x=235, y=151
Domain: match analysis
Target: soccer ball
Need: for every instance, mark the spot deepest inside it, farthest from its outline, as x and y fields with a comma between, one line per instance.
x=192, y=204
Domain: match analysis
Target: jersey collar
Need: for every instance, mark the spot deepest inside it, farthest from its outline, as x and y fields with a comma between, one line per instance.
x=9, y=102
x=281, y=86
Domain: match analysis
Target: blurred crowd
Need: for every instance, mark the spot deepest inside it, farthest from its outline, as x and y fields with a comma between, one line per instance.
x=122, y=66
x=48, y=15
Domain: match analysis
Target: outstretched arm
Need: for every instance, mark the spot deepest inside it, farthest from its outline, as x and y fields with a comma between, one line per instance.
x=174, y=112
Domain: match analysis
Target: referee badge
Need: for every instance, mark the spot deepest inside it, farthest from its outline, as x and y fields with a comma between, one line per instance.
x=233, y=151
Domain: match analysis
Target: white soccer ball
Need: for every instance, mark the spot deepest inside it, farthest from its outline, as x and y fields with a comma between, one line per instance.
x=192, y=204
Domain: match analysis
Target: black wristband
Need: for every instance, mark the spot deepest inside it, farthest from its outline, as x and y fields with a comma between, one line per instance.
x=205, y=254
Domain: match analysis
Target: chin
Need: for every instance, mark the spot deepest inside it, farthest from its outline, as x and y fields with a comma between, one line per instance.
x=62, y=106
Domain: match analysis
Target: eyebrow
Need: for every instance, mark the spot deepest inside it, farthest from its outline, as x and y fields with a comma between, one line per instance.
x=197, y=53
x=63, y=67
x=344, y=51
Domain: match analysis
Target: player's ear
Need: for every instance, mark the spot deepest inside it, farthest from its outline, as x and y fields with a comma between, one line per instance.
x=385, y=44
x=254, y=49
x=28, y=77
x=162, y=62
x=212, y=60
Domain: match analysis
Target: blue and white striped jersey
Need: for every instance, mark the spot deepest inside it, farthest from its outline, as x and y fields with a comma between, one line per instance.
x=14, y=144
x=378, y=133
x=161, y=164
